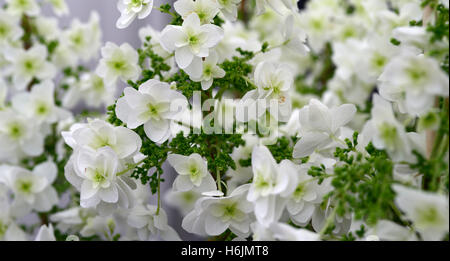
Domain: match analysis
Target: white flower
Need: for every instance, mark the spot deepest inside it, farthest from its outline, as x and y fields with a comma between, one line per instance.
x=130, y=9
x=386, y=132
x=213, y=215
x=183, y=200
x=151, y=225
x=32, y=189
x=9, y=231
x=322, y=213
x=45, y=233
x=47, y=27
x=3, y=94
x=97, y=134
x=29, y=64
x=294, y=37
x=10, y=31
x=206, y=10
x=81, y=39
x=155, y=104
x=274, y=82
x=97, y=175
x=118, y=62
x=19, y=7
x=209, y=72
x=92, y=89
x=191, y=42
x=282, y=232
x=428, y=211
x=72, y=219
x=38, y=104
x=306, y=195
x=229, y=8
x=19, y=136
x=59, y=7
x=413, y=82
x=390, y=231
x=320, y=126
x=271, y=184
x=193, y=172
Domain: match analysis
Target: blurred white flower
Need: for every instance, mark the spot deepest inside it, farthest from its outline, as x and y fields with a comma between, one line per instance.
x=32, y=189
x=428, y=211
x=150, y=224
x=45, y=233
x=413, y=82
x=281, y=232
x=130, y=9
x=10, y=31
x=118, y=62
x=29, y=64
x=19, y=7
x=59, y=7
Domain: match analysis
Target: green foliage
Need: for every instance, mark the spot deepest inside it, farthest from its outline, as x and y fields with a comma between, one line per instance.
x=362, y=183
x=236, y=70
x=283, y=148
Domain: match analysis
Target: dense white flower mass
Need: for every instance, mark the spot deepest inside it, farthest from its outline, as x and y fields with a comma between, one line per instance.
x=236, y=120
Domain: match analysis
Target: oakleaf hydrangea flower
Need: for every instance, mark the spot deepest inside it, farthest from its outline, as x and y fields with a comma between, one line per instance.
x=413, y=82
x=29, y=64
x=97, y=175
x=97, y=134
x=32, y=189
x=19, y=7
x=191, y=42
x=271, y=184
x=118, y=62
x=428, y=211
x=155, y=104
x=150, y=224
x=210, y=71
x=213, y=215
x=193, y=172
x=320, y=126
x=206, y=10
x=130, y=9
x=10, y=32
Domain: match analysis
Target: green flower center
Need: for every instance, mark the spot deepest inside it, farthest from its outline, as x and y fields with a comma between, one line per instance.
x=416, y=74
x=388, y=134
x=16, y=131
x=428, y=216
x=299, y=192
x=41, y=109
x=4, y=30
x=25, y=186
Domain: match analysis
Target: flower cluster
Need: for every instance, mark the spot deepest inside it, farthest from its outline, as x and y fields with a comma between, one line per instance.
x=320, y=121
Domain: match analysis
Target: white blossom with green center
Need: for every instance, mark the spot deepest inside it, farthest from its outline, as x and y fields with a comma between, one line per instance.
x=210, y=71
x=101, y=179
x=193, y=173
x=271, y=186
x=155, y=105
x=386, y=132
x=118, y=62
x=413, y=82
x=18, y=136
x=213, y=215
x=191, y=42
x=30, y=64
x=32, y=189
x=97, y=134
x=59, y=7
x=205, y=9
x=19, y=7
x=429, y=212
x=130, y=9
x=39, y=103
x=10, y=32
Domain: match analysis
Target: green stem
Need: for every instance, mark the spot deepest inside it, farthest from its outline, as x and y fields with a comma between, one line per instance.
x=218, y=180
x=159, y=194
